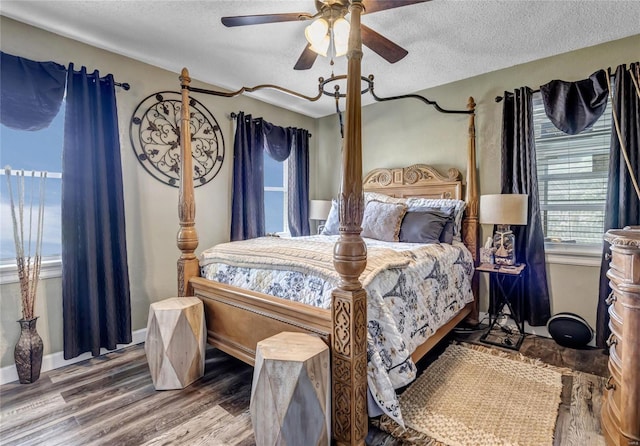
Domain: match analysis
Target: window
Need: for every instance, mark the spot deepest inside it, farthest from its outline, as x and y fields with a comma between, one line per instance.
x=275, y=196
x=32, y=152
x=572, y=179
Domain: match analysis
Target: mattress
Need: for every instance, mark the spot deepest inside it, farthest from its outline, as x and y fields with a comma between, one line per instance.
x=412, y=290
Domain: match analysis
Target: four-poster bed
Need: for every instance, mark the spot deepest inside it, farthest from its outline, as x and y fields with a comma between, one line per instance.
x=237, y=319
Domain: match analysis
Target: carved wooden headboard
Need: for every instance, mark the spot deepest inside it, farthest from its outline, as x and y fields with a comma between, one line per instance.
x=419, y=180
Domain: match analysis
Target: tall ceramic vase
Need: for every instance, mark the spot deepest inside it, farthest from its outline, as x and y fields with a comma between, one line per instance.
x=28, y=352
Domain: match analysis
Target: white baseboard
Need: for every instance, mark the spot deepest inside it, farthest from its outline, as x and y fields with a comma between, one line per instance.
x=56, y=360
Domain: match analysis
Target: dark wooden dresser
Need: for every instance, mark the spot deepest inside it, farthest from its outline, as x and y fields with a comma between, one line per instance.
x=621, y=408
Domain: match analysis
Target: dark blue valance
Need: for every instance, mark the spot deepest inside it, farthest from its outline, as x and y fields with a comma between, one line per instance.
x=277, y=141
x=575, y=106
x=30, y=92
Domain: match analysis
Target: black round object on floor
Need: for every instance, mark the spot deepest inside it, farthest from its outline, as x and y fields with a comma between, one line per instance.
x=570, y=330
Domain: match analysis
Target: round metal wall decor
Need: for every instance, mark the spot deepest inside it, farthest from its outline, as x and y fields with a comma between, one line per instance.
x=155, y=137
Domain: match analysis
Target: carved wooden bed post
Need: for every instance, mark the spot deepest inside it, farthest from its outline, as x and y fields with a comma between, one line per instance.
x=471, y=225
x=349, y=303
x=187, y=238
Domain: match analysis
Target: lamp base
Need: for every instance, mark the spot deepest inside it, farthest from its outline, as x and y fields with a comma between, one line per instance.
x=504, y=241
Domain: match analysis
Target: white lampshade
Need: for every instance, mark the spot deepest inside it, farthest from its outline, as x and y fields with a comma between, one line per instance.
x=504, y=209
x=319, y=209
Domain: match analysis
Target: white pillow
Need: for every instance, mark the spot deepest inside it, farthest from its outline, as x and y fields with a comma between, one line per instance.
x=370, y=196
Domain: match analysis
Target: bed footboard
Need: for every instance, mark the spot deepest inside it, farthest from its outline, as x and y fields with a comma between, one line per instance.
x=238, y=319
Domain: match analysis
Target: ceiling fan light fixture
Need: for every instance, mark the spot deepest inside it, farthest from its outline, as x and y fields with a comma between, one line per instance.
x=321, y=47
x=341, y=36
x=316, y=32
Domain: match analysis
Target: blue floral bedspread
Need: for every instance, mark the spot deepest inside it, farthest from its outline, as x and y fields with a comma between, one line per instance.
x=406, y=302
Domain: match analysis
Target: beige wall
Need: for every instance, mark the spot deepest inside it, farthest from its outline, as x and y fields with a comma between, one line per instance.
x=400, y=133
x=394, y=134
x=150, y=206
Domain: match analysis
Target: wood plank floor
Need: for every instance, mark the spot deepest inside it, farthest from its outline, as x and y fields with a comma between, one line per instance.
x=110, y=400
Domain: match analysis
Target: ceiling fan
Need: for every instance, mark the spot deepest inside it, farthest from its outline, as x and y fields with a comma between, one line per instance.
x=331, y=11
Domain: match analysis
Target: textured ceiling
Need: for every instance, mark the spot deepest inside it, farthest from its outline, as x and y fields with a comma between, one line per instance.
x=447, y=40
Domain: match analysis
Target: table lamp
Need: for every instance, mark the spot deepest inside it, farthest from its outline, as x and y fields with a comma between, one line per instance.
x=319, y=210
x=504, y=210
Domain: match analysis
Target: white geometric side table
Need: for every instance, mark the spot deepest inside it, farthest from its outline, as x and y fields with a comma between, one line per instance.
x=290, y=396
x=175, y=342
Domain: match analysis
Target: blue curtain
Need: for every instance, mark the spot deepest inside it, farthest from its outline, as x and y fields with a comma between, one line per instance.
x=30, y=92
x=247, y=207
x=254, y=136
x=95, y=278
x=298, y=186
x=519, y=176
x=622, y=207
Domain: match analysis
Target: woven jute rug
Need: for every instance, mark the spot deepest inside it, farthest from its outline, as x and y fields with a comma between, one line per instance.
x=474, y=395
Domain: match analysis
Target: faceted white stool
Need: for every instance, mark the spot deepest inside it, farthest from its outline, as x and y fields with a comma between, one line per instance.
x=175, y=342
x=290, y=393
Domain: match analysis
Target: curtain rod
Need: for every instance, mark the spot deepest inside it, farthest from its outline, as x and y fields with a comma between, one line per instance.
x=500, y=98
x=124, y=85
x=234, y=115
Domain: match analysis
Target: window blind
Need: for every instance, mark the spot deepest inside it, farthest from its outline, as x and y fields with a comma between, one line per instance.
x=572, y=178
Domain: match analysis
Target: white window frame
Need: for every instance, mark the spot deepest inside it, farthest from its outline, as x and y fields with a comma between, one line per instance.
x=579, y=254
x=51, y=266
x=285, y=191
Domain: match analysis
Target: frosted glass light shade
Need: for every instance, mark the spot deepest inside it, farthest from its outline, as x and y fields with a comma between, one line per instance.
x=504, y=209
x=319, y=209
x=341, y=36
x=317, y=34
x=321, y=47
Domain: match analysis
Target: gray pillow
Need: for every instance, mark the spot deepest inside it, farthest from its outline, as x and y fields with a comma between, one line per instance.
x=381, y=221
x=419, y=204
x=427, y=226
x=332, y=225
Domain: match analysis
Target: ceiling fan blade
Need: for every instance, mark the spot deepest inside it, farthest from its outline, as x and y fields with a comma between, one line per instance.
x=381, y=45
x=242, y=20
x=306, y=59
x=380, y=5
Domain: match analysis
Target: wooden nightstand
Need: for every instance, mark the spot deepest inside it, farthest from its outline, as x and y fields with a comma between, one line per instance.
x=506, y=283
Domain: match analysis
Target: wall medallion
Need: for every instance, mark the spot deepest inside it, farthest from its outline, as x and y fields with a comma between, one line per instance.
x=155, y=138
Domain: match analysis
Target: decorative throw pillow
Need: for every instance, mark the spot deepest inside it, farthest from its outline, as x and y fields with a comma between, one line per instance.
x=428, y=226
x=382, y=221
x=418, y=204
x=332, y=225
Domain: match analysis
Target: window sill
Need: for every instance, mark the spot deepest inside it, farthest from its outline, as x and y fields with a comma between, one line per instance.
x=51, y=267
x=573, y=255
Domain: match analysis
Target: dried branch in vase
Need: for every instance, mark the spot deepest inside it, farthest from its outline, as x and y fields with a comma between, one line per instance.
x=28, y=255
